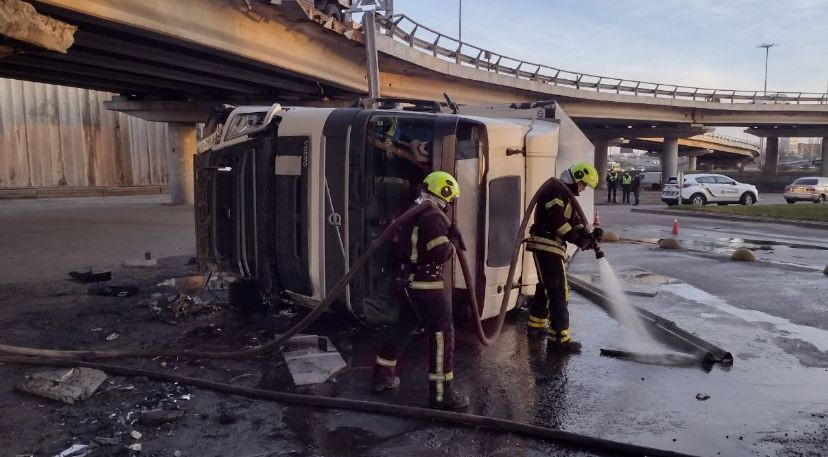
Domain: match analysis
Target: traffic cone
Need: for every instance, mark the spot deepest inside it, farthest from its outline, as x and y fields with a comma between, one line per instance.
x=675, y=226
x=596, y=219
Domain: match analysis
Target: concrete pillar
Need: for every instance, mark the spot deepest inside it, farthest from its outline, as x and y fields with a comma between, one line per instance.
x=771, y=155
x=180, y=154
x=824, y=156
x=693, y=163
x=669, y=158
x=601, y=159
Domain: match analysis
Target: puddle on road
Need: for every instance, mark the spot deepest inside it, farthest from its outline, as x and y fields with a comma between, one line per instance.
x=727, y=245
x=815, y=336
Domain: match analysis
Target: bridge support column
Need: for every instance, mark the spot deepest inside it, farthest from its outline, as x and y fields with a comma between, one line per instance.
x=824, y=156
x=669, y=158
x=771, y=155
x=601, y=159
x=693, y=163
x=180, y=152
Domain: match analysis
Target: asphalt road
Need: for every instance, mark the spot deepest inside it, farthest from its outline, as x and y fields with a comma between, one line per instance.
x=770, y=314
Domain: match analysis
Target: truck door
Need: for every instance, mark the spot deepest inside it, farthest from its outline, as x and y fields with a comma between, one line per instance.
x=503, y=192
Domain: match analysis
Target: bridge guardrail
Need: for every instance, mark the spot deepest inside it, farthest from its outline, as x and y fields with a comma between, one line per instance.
x=438, y=44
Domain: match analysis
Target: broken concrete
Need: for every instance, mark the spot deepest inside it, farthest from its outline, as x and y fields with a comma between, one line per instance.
x=66, y=386
x=669, y=243
x=743, y=255
x=311, y=359
x=19, y=21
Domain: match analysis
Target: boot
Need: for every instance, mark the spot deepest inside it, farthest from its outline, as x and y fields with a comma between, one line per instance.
x=385, y=378
x=536, y=325
x=451, y=399
x=560, y=341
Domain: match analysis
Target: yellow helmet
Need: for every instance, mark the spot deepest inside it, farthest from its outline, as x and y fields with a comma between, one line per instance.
x=443, y=185
x=586, y=173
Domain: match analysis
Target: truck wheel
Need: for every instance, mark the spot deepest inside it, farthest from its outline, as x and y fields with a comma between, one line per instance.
x=698, y=200
x=747, y=199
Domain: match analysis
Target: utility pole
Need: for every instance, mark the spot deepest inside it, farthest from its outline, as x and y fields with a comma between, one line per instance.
x=767, y=47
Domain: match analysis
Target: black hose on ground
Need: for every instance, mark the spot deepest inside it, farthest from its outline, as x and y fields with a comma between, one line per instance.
x=334, y=293
x=412, y=412
x=488, y=340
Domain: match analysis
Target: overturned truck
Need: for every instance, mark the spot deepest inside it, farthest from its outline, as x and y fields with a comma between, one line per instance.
x=288, y=197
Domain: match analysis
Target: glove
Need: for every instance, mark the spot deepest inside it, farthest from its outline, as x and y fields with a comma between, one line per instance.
x=597, y=234
x=585, y=240
x=456, y=238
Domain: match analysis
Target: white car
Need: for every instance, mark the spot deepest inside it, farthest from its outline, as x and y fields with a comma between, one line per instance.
x=701, y=189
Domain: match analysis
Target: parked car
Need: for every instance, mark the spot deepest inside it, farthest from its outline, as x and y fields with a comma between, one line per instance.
x=701, y=189
x=812, y=189
x=651, y=180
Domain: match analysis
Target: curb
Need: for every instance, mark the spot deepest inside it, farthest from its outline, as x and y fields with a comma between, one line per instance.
x=698, y=214
x=63, y=192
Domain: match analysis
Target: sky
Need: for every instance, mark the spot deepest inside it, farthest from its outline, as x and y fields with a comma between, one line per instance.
x=697, y=43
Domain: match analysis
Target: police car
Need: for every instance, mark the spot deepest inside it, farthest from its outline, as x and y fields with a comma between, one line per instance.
x=701, y=189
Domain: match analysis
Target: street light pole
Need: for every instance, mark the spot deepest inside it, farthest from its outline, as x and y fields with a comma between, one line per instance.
x=460, y=23
x=767, y=47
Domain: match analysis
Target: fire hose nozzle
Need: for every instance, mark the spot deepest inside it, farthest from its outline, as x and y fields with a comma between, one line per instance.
x=599, y=253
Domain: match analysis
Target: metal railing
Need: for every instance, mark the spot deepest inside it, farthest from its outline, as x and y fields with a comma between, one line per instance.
x=404, y=29
x=732, y=139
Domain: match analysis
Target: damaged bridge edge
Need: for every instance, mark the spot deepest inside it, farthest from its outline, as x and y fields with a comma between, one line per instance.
x=662, y=328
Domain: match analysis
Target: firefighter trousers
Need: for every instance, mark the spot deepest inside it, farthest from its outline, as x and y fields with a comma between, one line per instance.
x=552, y=292
x=431, y=309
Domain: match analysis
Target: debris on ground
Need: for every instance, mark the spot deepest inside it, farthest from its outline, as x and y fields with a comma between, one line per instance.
x=66, y=386
x=135, y=434
x=112, y=336
x=114, y=291
x=311, y=359
x=88, y=277
x=743, y=255
x=76, y=450
x=134, y=447
x=669, y=243
x=186, y=306
x=702, y=397
x=146, y=262
x=160, y=416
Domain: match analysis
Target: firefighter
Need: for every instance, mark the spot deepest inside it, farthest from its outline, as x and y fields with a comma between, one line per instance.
x=431, y=243
x=556, y=223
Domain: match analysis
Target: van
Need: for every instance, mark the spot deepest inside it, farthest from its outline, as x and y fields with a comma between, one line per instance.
x=287, y=198
x=651, y=180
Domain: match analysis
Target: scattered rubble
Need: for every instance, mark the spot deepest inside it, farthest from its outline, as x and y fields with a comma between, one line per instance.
x=669, y=243
x=76, y=450
x=311, y=359
x=114, y=291
x=160, y=416
x=743, y=255
x=88, y=277
x=112, y=336
x=702, y=397
x=66, y=386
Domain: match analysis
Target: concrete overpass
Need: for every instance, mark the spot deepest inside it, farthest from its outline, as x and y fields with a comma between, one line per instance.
x=172, y=61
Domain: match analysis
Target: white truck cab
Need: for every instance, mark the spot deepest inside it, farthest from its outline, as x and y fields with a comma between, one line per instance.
x=289, y=197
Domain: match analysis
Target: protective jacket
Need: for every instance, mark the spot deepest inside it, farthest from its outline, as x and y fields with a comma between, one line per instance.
x=429, y=250
x=556, y=222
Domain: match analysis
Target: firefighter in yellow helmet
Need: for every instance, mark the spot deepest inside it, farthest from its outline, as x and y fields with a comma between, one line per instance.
x=557, y=223
x=428, y=243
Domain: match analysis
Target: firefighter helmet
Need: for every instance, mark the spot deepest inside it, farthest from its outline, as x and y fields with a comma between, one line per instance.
x=585, y=173
x=443, y=185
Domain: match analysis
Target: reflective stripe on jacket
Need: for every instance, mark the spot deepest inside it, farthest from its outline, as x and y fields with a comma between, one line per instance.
x=430, y=250
x=556, y=222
